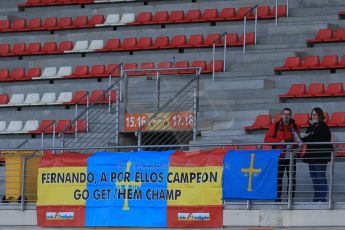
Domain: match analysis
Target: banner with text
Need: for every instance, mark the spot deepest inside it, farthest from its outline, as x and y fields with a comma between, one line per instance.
x=139, y=189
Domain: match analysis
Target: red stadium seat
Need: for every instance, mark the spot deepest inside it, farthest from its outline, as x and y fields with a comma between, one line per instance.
x=129, y=44
x=147, y=65
x=65, y=45
x=49, y=2
x=182, y=64
x=282, y=11
x=81, y=71
x=64, y=126
x=201, y=64
x=80, y=126
x=209, y=15
x=315, y=90
x=50, y=23
x=250, y=39
x=328, y=62
x=33, y=2
x=131, y=66
x=322, y=35
x=19, y=25
x=218, y=66
x=161, y=42
x=261, y=122
x=35, y=24
x=18, y=74
x=335, y=90
x=97, y=97
x=179, y=41
x=290, y=64
x=97, y=70
x=34, y=48
x=96, y=19
x=164, y=65
x=46, y=126
x=296, y=90
x=309, y=62
x=302, y=119
x=65, y=23
x=5, y=49
x=193, y=16
x=79, y=97
x=112, y=44
x=248, y=147
x=33, y=72
x=113, y=69
x=81, y=22
x=337, y=119
x=4, y=98
x=5, y=25
x=49, y=47
x=4, y=74
x=211, y=38
x=19, y=49
x=232, y=39
x=160, y=17
x=340, y=34
x=326, y=117
x=264, y=12
x=145, y=43
x=195, y=41
x=176, y=16
x=244, y=11
x=227, y=14
x=143, y=18
x=340, y=150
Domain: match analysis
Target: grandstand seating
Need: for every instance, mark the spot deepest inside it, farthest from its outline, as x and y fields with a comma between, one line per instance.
x=63, y=98
x=329, y=62
x=337, y=119
x=314, y=90
x=327, y=35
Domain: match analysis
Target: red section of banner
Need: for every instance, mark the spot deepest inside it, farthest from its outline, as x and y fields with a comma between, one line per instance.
x=213, y=157
x=195, y=216
x=61, y=216
x=64, y=160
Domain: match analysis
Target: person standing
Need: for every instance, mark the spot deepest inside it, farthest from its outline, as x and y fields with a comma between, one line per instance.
x=283, y=131
x=317, y=156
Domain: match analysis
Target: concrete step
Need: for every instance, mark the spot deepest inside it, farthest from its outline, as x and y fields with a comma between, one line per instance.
x=206, y=134
x=236, y=85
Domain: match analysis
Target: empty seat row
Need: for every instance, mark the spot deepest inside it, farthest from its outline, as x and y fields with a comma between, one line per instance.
x=327, y=35
x=64, y=98
x=337, y=119
x=128, y=44
x=22, y=49
x=50, y=23
x=312, y=63
x=314, y=90
x=45, y=126
x=31, y=3
x=85, y=71
x=225, y=14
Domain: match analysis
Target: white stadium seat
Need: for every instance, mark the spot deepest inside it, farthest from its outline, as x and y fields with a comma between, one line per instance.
x=2, y=126
x=79, y=46
x=30, y=125
x=127, y=18
x=14, y=127
x=64, y=97
x=48, y=98
x=111, y=19
x=64, y=71
x=49, y=72
x=16, y=99
x=95, y=44
x=32, y=98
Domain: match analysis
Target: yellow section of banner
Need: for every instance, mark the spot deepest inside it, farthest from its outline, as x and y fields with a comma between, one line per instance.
x=62, y=185
x=196, y=185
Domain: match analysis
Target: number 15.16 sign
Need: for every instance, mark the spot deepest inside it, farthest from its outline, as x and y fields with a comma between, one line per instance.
x=169, y=121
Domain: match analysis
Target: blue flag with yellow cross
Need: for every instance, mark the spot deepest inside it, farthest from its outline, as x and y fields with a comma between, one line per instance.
x=250, y=174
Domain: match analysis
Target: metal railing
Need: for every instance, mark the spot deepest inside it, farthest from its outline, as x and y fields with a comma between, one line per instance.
x=18, y=176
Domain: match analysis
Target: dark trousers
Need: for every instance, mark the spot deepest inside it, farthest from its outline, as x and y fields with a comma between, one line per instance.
x=318, y=176
x=284, y=165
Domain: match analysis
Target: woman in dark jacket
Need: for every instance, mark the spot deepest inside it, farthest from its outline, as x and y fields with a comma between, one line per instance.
x=317, y=156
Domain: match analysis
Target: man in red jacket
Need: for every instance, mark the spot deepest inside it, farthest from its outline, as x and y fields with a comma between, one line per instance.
x=283, y=131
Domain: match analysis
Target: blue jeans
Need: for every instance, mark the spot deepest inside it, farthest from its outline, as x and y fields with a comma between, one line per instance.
x=318, y=176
